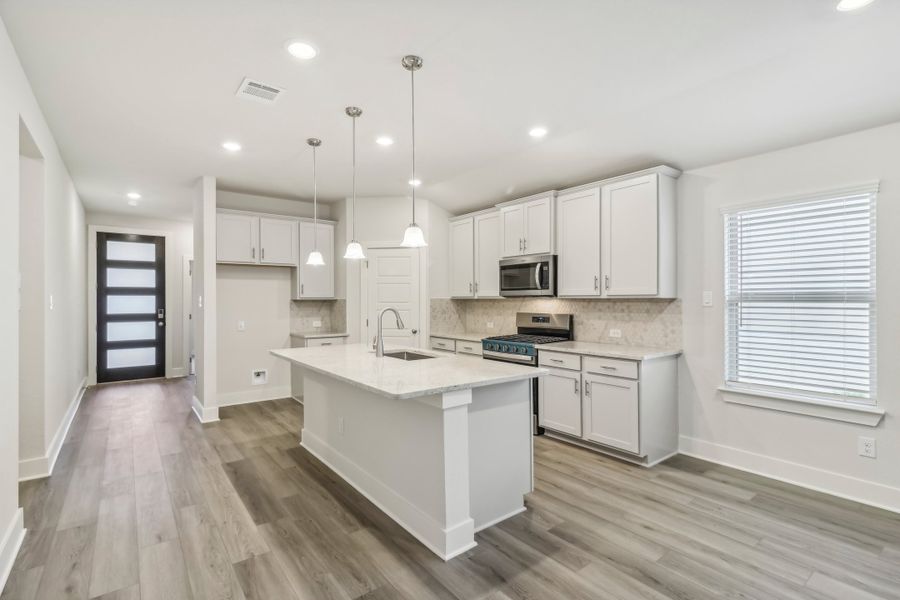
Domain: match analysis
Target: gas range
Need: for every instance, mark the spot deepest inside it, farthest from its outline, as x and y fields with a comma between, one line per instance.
x=533, y=328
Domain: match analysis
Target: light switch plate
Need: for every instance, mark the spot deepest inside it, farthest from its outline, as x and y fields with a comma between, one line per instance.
x=242, y=325
x=707, y=298
x=490, y=324
x=615, y=333
x=317, y=324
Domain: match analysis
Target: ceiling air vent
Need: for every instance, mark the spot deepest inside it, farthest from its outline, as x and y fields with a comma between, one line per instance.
x=261, y=92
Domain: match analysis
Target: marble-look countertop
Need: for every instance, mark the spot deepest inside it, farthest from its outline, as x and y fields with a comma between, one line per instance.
x=610, y=350
x=311, y=335
x=466, y=337
x=357, y=365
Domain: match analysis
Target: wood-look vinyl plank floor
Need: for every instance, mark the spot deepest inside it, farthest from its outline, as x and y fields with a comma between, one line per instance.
x=145, y=503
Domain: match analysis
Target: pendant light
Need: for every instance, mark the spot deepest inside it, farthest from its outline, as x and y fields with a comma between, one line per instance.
x=354, y=249
x=315, y=257
x=413, y=237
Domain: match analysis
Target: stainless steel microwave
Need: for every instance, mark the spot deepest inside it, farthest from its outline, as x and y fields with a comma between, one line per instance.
x=528, y=276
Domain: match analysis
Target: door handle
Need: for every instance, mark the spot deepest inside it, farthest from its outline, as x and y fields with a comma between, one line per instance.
x=414, y=331
x=161, y=313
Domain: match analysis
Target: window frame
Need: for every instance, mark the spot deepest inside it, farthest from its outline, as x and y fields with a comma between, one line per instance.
x=845, y=408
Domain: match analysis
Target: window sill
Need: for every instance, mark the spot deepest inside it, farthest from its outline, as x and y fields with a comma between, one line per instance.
x=869, y=416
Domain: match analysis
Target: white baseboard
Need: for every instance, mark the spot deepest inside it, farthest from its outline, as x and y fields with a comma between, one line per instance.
x=820, y=480
x=178, y=372
x=42, y=466
x=9, y=545
x=204, y=414
x=262, y=394
x=298, y=399
x=445, y=542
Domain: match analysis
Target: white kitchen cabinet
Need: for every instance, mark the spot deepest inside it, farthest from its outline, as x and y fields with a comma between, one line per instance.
x=462, y=260
x=559, y=401
x=487, y=255
x=278, y=243
x=578, y=242
x=611, y=412
x=237, y=238
x=528, y=225
x=315, y=281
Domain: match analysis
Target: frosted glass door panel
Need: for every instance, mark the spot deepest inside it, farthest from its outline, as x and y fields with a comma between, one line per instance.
x=129, y=331
x=130, y=305
x=133, y=251
x=145, y=278
x=130, y=357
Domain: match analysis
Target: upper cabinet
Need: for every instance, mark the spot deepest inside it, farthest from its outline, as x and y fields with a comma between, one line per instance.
x=278, y=243
x=237, y=238
x=617, y=237
x=311, y=281
x=527, y=225
x=487, y=254
x=462, y=261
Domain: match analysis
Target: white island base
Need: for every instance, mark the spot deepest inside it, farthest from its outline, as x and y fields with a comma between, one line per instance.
x=443, y=466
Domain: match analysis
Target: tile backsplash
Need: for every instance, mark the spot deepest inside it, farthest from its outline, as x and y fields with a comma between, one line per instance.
x=654, y=323
x=331, y=313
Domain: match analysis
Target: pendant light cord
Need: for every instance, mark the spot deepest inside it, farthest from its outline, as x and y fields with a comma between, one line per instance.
x=353, y=238
x=315, y=204
x=412, y=81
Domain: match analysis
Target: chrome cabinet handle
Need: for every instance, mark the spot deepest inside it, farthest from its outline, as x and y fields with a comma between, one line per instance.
x=607, y=367
x=606, y=281
x=556, y=360
x=470, y=287
x=262, y=254
x=301, y=288
x=587, y=388
x=253, y=253
x=576, y=385
x=476, y=287
x=325, y=344
x=524, y=244
x=596, y=282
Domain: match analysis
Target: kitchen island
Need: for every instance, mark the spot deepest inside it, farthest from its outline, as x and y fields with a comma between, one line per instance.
x=441, y=443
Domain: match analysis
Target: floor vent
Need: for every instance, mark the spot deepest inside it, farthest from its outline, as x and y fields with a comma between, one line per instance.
x=258, y=91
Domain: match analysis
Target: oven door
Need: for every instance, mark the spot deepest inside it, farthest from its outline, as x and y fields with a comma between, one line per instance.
x=528, y=276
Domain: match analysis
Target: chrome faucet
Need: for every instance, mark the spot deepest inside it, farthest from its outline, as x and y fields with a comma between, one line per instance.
x=379, y=339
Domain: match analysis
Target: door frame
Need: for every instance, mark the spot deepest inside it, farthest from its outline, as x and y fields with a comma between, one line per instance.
x=171, y=290
x=424, y=295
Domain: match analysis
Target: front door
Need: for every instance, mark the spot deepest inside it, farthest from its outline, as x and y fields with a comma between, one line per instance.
x=131, y=306
x=393, y=281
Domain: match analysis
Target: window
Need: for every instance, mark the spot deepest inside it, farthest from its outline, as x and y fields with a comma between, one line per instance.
x=800, y=297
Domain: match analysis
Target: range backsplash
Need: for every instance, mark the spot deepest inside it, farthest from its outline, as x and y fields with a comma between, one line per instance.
x=654, y=323
x=332, y=314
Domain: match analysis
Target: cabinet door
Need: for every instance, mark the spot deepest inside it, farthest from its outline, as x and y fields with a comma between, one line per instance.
x=578, y=240
x=611, y=412
x=237, y=238
x=462, y=261
x=487, y=255
x=559, y=402
x=277, y=241
x=630, y=237
x=512, y=224
x=316, y=282
x=538, y=226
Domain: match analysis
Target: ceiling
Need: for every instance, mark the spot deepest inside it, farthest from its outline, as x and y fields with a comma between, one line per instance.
x=140, y=95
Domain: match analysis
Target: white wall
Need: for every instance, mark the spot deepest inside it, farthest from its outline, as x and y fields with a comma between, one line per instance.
x=438, y=252
x=811, y=451
x=64, y=279
x=179, y=243
x=268, y=204
x=204, y=299
x=261, y=298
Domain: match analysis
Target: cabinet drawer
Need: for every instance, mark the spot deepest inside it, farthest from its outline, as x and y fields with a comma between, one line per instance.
x=559, y=360
x=613, y=367
x=443, y=344
x=468, y=347
x=315, y=342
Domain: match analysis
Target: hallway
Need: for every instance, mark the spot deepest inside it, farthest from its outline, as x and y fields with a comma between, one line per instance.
x=145, y=503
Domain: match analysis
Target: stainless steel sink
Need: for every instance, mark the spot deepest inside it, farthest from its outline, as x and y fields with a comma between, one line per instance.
x=404, y=355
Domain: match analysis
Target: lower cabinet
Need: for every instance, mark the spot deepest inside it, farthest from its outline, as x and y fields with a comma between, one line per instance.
x=559, y=401
x=611, y=412
x=301, y=341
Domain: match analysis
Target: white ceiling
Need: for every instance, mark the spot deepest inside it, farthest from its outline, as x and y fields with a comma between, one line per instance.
x=141, y=94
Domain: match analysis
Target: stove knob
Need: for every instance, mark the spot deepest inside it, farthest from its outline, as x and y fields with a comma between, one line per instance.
x=523, y=350
x=504, y=348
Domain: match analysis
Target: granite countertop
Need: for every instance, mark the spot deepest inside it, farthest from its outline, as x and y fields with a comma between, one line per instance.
x=466, y=337
x=310, y=335
x=357, y=365
x=610, y=350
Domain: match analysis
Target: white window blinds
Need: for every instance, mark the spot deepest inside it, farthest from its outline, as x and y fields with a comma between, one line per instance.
x=800, y=297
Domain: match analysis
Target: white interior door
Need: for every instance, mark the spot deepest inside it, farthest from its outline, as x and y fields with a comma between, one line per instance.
x=392, y=280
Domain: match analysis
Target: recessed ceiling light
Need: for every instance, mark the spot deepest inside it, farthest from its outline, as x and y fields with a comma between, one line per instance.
x=132, y=203
x=133, y=195
x=384, y=140
x=537, y=132
x=301, y=50
x=415, y=182
x=848, y=5
x=231, y=146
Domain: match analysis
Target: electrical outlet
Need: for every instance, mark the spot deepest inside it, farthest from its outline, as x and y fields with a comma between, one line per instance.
x=490, y=324
x=51, y=301
x=615, y=333
x=317, y=324
x=341, y=425
x=707, y=299
x=259, y=376
x=866, y=447
x=242, y=325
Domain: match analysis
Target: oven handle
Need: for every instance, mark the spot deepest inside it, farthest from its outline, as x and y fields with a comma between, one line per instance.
x=505, y=357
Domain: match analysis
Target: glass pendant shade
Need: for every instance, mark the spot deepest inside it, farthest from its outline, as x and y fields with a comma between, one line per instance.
x=354, y=251
x=413, y=237
x=315, y=259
